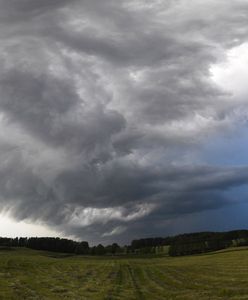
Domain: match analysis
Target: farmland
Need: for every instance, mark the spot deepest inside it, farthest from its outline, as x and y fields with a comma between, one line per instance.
x=29, y=274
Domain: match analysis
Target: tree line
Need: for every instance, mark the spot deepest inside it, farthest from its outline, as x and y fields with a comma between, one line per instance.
x=60, y=245
x=196, y=243
x=191, y=243
x=183, y=244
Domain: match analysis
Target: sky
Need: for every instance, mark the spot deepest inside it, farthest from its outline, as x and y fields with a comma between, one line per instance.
x=123, y=119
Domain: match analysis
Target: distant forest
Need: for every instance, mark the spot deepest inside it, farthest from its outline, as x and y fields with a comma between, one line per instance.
x=183, y=244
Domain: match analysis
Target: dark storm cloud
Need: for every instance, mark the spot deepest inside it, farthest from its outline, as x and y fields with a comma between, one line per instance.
x=102, y=105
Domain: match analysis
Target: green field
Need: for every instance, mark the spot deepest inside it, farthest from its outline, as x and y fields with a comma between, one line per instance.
x=27, y=274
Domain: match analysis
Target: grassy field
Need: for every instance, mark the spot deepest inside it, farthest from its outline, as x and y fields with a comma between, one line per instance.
x=27, y=274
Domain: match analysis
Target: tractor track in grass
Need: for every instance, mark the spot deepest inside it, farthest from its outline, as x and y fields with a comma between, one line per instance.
x=137, y=289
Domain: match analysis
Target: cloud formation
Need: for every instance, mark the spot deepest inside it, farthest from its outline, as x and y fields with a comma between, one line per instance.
x=104, y=105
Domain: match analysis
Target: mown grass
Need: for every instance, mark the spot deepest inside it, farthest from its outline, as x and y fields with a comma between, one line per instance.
x=27, y=274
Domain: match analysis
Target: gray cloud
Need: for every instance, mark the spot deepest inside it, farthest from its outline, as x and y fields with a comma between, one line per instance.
x=101, y=106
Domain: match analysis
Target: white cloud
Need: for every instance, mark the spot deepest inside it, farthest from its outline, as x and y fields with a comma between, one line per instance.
x=89, y=216
x=231, y=74
x=116, y=231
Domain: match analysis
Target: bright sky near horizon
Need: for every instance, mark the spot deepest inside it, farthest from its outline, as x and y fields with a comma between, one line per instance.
x=12, y=228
